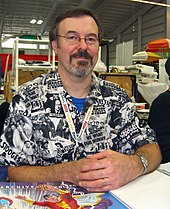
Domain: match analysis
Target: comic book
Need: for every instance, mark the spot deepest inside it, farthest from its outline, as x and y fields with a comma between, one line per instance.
x=59, y=195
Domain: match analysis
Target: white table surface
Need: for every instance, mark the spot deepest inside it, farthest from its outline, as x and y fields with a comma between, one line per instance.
x=151, y=191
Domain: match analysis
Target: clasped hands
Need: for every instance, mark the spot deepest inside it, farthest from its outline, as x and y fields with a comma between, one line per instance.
x=104, y=171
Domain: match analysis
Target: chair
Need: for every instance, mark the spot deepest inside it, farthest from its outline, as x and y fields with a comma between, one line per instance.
x=3, y=112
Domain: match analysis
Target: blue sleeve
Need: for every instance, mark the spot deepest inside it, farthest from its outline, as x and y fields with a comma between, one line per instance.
x=3, y=172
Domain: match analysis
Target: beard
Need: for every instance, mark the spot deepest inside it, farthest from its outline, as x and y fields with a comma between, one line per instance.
x=82, y=68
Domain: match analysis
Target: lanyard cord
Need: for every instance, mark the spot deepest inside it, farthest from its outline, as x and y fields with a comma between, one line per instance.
x=70, y=120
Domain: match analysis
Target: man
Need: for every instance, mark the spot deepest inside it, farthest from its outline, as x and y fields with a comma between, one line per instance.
x=89, y=107
x=159, y=119
x=58, y=199
x=54, y=201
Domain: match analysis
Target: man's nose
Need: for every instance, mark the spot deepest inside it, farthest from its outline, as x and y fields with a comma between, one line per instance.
x=82, y=44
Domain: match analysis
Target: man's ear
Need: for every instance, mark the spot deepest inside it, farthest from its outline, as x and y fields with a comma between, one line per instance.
x=54, y=45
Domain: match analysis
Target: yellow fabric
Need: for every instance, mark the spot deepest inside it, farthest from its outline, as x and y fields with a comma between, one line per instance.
x=29, y=201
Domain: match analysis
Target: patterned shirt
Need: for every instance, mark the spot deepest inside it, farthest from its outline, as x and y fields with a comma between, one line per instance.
x=60, y=133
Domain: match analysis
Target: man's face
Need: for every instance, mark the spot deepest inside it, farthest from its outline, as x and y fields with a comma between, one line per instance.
x=38, y=134
x=28, y=144
x=53, y=198
x=57, y=105
x=13, y=127
x=21, y=122
x=77, y=59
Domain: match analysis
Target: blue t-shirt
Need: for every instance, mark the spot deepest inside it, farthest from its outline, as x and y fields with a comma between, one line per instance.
x=78, y=102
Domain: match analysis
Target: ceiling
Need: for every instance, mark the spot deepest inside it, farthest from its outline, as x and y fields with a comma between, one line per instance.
x=114, y=15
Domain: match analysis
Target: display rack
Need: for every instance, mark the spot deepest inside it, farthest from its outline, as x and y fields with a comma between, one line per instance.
x=15, y=55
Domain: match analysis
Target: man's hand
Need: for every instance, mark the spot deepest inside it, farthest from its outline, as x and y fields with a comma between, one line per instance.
x=107, y=170
x=110, y=170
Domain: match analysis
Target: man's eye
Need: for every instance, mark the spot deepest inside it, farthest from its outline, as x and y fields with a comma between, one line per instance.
x=72, y=38
x=91, y=39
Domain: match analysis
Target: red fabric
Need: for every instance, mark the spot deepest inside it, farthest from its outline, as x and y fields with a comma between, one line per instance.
x=158, y=45
x=67, y=198
x=24, y=57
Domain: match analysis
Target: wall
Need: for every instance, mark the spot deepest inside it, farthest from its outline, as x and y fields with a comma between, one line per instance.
x=151, y=25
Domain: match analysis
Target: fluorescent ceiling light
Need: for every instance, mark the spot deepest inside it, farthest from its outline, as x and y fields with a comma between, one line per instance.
x=151, y=2
x=33, y=21
x=39, y=22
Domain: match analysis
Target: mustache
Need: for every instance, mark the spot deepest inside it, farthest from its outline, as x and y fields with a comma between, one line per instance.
x=80, y=54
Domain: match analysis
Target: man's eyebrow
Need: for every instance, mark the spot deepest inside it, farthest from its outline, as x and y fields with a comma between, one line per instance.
x=75, y=32
x=72, y=31
x=92, y=34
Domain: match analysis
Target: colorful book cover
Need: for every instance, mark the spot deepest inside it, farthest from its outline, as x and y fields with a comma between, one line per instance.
x=58, y=195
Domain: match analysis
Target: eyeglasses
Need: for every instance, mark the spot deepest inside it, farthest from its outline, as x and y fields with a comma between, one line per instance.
x=74, y=39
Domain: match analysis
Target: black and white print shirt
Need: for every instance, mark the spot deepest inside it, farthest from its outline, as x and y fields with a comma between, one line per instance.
x=36, y=131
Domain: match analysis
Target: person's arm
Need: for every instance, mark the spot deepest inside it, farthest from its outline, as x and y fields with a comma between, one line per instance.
x=103, y=171
x=60, y=172
x=152, y=154
x=112, y=169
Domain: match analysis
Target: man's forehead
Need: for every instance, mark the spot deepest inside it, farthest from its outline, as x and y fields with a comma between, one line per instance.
x=74, y=23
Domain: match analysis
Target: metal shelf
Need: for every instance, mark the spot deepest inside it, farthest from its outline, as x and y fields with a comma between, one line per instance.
x=15, y=56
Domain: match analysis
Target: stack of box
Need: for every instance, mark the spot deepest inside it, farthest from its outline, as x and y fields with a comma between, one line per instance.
x=9, y=87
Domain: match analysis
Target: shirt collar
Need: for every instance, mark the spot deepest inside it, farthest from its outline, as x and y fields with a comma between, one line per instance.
x=95, y=91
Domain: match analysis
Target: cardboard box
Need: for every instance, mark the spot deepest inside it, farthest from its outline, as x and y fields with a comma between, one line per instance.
x=25, y=76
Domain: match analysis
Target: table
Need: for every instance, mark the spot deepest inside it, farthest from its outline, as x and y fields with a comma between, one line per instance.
x=151, y=191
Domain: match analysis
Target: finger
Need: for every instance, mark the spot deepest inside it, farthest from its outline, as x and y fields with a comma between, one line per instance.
x=99, y=155
x=99, y=189
x=106, y=184
x=102, y=154
x=93, y=164
x=96, y=185
x=93, y=174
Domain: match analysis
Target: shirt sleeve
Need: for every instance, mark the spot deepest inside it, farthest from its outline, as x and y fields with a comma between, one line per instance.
x=134, y=131
x=12, y=138
x=3, y=173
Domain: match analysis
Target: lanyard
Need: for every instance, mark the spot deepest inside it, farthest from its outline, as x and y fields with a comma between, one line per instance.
x=70, y=121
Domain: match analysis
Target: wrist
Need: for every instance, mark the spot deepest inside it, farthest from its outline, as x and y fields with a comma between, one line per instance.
x=143, y=161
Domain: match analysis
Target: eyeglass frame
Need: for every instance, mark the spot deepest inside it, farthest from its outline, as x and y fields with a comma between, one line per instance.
x=78, y=38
